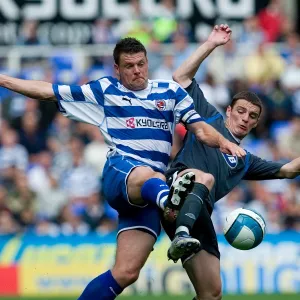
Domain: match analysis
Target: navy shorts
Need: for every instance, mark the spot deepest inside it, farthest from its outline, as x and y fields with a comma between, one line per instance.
x=131, y=216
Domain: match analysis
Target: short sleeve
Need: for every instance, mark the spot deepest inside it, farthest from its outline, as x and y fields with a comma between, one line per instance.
x=260, y=169
x=82, y=103
x=184, y=108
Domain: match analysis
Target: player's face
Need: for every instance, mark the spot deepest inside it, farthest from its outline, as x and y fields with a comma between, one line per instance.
x=132, y=70
x=242, y=117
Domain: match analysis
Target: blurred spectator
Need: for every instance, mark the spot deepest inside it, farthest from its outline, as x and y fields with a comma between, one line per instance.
x=71, y=221
x=252, y=35
x=80, y=180
x=182, y=50
x=290, y=47
x=50, y=198
x=291, y=75
x=235, y=199
x=166, y=69
x=22, y=201
x=264, y=65
x=165, y=23
x=278, y=103
x=31, y=136
x=226, y=63
x=13, y=156
x=215, y=93
x=135, y=24
x=95, y=152
x=28, y=34
x=30, y=106
x=155, y=56
x=8, y=224
x=271, y=20
x=289, y=143
x=265, y=204
x=61, y=131
x=102, y=32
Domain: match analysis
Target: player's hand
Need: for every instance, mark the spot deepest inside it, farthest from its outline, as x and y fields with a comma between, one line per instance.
x=220, y=35
x=232, y=149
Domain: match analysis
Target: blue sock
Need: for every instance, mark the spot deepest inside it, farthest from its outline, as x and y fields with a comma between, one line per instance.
x=102, y=287
x=155, y=191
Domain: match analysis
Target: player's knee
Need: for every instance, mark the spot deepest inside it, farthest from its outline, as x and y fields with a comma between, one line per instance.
x=215, y=293
x=205, y=178
x=127, y=275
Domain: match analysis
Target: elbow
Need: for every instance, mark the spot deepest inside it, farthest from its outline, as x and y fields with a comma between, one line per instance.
x=176, y=77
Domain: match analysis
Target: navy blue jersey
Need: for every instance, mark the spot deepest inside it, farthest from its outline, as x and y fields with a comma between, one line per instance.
x=228, y=170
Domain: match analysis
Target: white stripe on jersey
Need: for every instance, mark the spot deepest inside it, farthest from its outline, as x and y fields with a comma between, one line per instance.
x=113, y=100
x=150, y=162
x=65, y=92
x=88, y=93
x=91, y=113
x=164, y=147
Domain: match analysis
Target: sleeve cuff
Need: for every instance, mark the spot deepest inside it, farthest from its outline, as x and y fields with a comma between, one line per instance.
x=58, y=98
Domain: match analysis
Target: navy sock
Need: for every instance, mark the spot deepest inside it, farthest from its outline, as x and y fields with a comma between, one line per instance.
x=155, y=191
x=191, y=208
x=102, y=287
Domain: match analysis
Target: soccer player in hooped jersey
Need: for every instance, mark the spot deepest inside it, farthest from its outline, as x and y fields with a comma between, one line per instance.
x=137, y=118
x=216, y=173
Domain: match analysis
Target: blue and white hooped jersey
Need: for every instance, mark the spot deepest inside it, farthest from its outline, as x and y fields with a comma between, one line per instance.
x=139, y=124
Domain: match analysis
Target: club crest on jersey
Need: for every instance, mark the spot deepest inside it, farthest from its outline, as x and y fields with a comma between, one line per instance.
x=160, y=104
x=231, y=160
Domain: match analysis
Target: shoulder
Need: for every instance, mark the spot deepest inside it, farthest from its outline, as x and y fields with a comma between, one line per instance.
x=104, y=83
x=109, y=80
x=166, y=84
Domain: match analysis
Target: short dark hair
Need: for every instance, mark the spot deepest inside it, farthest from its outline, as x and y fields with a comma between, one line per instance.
x=128, y=45
x=248, y=96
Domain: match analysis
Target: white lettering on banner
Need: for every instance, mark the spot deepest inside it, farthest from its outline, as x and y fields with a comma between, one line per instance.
x=113, y=9
x=236, y=9
x=63, y=14
x=207, y=8
x=43, y=10
x=9, y=9
x=86, y=10
x=91, y=9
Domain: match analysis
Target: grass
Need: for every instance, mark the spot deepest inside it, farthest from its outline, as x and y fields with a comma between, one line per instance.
x=168, y=297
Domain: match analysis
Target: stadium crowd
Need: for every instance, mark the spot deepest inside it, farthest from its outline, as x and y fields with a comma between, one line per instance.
x=51, y=167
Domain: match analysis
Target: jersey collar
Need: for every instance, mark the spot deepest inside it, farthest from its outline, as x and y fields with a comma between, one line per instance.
x=234, y=137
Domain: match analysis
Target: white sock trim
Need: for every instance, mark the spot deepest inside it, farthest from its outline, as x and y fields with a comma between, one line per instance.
x=182, y=228
x=161, y=201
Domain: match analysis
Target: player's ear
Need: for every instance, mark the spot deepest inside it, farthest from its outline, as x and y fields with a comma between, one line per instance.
x=228, y=111
x=117, y=70
x=254, y=126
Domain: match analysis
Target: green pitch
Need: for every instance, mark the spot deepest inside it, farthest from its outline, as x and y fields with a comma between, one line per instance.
x=237, y=297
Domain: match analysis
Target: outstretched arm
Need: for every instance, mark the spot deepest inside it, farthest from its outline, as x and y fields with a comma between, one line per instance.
x=187, y=70
x=289, y=170
x=208, y=135
x=40, y=90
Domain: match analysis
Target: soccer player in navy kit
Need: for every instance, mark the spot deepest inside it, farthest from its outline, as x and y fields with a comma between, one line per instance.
x=216, y=173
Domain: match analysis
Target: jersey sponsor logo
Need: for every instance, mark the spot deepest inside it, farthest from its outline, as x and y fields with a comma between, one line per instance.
x=143, y=122
x=130, y=123
x=161, y=104
x=231, y=160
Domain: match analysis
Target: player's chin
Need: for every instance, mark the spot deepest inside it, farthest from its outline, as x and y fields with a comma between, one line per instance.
x=139, y=85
